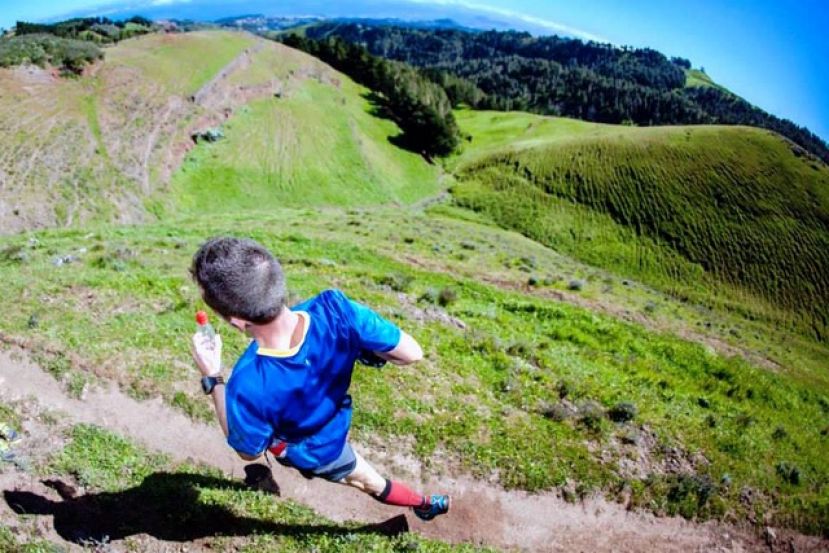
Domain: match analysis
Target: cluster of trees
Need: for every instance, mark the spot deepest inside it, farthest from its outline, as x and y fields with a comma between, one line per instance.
x=560, y=76
x=100, y=30
x=43, y=49
x=68, y=45
x=420, y=107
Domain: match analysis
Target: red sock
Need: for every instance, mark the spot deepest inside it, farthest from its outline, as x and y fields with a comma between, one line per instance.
x=401, y=495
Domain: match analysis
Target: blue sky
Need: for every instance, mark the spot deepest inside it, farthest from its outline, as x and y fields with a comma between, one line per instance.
x=771, y=52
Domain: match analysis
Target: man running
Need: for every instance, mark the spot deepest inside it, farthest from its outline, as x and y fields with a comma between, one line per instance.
x=288, y=392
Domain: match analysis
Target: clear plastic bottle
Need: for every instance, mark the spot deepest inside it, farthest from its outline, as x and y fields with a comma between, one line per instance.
x=204, y=327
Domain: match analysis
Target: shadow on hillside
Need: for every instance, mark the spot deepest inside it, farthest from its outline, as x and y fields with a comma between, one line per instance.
x=379, y=108
x=165, y=506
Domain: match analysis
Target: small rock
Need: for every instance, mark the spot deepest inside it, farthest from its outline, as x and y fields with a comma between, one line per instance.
x=576, y=284
x=769, y=535
x=568, y=492
x=63, y=260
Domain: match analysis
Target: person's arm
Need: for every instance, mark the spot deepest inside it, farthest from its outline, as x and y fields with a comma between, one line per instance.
x=406, y=351
x=380, y=337
x=208, y=359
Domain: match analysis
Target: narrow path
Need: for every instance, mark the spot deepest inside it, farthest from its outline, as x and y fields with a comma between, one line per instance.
x=481, y=513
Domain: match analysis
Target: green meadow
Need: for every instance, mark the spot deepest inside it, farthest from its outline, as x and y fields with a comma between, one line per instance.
x=535, y=391
x=633, y=312
x=732, y=213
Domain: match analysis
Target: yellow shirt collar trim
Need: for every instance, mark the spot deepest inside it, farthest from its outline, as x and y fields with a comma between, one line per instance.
x=294, y=350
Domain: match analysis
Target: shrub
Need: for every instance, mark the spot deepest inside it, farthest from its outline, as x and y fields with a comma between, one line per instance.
x=67, y=54
x=447, y=297
x=396, y=281
x=622, y=412
x=788, y=472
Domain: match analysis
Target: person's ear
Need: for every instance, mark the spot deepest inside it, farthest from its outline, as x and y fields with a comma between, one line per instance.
x=239, y=324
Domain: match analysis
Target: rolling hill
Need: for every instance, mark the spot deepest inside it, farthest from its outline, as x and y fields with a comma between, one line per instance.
x=107, y=143
x=689, y=208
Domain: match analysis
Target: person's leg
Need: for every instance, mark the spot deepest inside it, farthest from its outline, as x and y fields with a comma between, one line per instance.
x=366, y=479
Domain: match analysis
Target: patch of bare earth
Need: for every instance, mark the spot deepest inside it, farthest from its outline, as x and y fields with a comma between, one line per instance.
x=481, y=513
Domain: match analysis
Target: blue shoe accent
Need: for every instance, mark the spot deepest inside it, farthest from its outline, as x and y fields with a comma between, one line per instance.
x=438, y=505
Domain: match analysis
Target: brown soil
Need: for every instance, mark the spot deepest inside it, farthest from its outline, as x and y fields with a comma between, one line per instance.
x=481, y=513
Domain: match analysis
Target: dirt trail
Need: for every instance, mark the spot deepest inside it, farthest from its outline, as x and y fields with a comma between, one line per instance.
x=481, y=513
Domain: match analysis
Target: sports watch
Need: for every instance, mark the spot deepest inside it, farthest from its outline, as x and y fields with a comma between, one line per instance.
x=209, y=382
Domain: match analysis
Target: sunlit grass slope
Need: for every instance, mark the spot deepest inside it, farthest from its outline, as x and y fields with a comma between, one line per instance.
x=697, y=77
x=689, y=208
x=515, y=386
x=75, y=150
x=316, y=145
x=181, y=62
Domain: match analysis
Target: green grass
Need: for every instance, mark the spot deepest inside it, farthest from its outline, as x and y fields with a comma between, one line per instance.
x=134, y=491
x=478, y=400
x=182, y=63
x=316, y=146
x=688, y=209
x=696, y=77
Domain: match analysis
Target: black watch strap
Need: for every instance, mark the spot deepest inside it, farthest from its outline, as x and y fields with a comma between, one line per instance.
x=210, y=382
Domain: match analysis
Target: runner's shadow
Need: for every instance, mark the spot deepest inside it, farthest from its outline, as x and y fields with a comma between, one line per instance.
x=165, y=506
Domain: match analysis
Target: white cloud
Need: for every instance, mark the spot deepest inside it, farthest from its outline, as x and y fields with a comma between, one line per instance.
x=532, y=20
x=167, y=2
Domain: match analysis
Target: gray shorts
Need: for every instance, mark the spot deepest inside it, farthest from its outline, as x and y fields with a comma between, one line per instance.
x=334, y=471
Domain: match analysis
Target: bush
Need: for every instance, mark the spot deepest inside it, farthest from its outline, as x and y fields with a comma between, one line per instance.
x=447, y=297
x=396, y=281
x=67, y=54
x=590, y=414
x=788, y=472
x=622, y=412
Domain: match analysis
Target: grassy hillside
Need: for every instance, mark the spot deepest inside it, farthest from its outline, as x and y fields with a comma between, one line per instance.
x=318, y=145
x=688, y=208
x=682, y=395
x=694, y=428
x=107, y=143
x=180, y=63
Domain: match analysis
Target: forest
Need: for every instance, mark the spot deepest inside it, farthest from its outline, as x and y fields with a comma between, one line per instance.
x=562, y=76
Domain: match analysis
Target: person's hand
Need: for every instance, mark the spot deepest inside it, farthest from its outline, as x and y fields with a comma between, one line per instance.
x=207, y=354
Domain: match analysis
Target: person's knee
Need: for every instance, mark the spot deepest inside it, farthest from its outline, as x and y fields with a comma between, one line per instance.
x=367, y=481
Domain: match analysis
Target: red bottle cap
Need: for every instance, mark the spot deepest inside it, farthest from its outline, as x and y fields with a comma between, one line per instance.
x=201, y=318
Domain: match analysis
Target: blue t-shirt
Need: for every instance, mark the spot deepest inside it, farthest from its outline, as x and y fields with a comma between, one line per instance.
x=300, y=396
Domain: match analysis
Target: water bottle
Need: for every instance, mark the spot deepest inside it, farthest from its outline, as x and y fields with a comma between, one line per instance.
x=204, y=327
